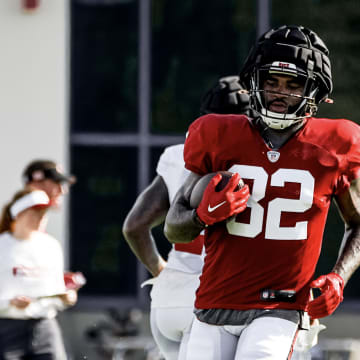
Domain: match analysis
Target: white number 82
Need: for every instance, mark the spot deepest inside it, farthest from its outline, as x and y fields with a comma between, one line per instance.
x=276, y=206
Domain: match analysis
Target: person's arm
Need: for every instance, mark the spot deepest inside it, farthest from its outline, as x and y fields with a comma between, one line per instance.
x=332, y=284
x=349, y=254
x=21, y=301
x=148, y=211
x=183, y=223
x=69, y=298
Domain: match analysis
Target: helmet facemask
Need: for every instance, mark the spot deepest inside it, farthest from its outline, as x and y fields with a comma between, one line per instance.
x=305, y=107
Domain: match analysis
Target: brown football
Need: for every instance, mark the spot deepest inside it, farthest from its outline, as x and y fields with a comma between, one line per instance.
x=200, y=186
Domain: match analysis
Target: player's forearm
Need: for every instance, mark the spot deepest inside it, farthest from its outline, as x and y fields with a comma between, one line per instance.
x=349, y=255
x=181, y=224
x=143, y=246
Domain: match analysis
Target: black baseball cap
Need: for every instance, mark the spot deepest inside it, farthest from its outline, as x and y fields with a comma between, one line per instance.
x=39, y=170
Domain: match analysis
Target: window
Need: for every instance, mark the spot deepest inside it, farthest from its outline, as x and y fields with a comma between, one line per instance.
x=104, y=66
x=194, y=43
x=100, y=200
x=114, y=145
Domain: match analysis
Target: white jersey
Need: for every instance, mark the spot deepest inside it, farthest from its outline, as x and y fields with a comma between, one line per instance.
x=171, y=168
x=34, y=268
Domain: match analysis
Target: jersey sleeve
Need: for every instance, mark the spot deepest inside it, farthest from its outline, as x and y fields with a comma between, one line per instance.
x=171, y=168
x=349, y=156
x=196, y=155
x=171, y=158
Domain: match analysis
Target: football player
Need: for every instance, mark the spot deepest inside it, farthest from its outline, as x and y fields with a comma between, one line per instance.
x=175, y=282
x=262, y=250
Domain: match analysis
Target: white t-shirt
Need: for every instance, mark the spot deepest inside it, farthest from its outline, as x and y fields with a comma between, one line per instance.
x=33, y=267
x=171, y=168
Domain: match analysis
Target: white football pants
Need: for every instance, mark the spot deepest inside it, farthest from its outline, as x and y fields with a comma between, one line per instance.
x=170, y=328
x=267, y=338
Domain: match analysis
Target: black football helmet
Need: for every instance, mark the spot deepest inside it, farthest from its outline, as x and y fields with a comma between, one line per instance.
x=227, y=96
x=293, y=51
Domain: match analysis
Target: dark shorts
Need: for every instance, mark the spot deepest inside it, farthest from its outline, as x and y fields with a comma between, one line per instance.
x=38, y=339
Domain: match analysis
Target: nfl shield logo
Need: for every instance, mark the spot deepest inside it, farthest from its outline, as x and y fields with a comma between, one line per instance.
x=273, y=156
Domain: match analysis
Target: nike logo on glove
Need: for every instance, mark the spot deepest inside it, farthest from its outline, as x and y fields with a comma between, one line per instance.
x=211, y=209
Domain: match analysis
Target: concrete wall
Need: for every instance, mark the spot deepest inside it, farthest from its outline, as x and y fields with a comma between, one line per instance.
x=33, y=93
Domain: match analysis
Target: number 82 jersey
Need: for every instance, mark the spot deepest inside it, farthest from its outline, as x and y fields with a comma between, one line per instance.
x=275, y=243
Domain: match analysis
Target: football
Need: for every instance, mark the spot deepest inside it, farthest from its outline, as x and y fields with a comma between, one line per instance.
x=200, y=186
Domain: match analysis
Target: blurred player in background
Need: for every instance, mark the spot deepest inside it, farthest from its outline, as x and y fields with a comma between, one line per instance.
x=173, y=292
x=262, y=251
x=32, y=286
x=48, y=176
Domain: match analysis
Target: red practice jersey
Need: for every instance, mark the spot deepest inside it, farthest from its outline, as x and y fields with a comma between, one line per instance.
x=275, y=243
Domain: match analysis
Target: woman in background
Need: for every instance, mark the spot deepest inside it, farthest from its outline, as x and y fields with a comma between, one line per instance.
x=32, y=287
